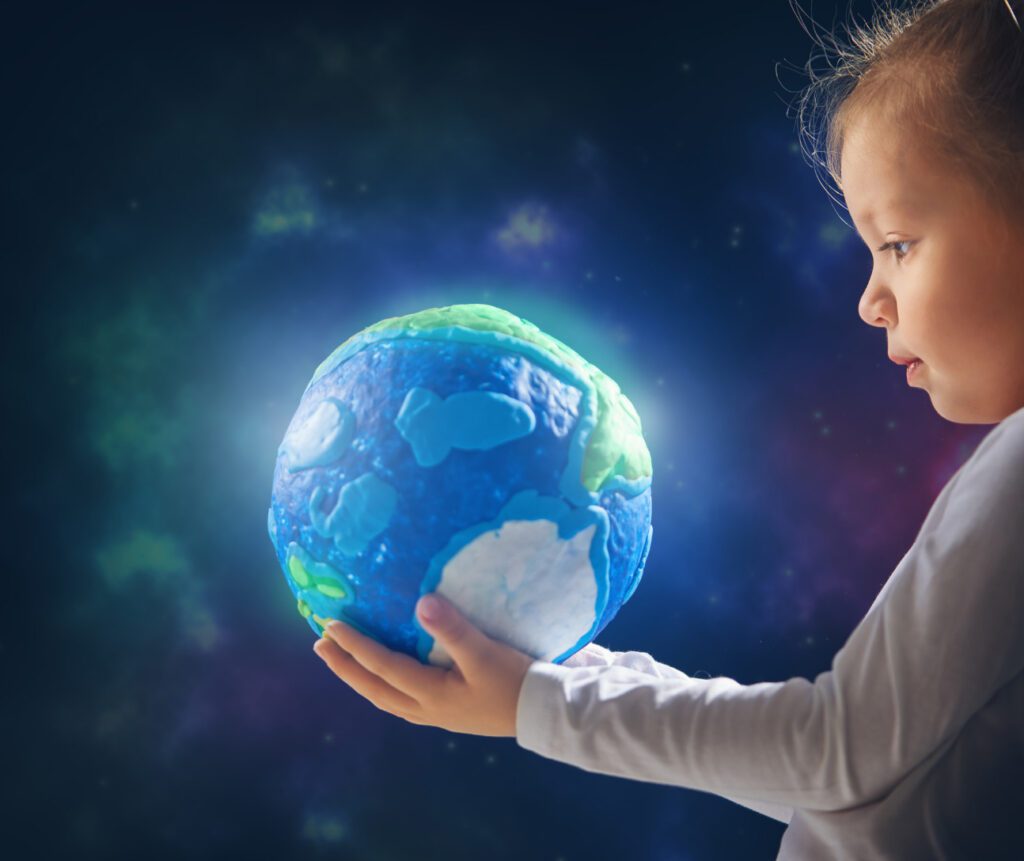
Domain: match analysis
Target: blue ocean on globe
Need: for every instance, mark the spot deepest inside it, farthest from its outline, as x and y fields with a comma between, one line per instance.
x=463, y=451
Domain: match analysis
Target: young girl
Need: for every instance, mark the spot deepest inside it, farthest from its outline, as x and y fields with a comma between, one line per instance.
x=912, y=745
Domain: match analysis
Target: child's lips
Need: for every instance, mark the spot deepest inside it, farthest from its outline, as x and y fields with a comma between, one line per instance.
x=903, y=360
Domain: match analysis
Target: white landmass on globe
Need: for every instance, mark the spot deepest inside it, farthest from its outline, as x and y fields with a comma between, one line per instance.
x=525, y=586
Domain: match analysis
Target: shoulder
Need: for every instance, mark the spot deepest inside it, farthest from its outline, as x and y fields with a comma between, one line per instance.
x=988, y=495
x=999, y=457
x=1011, y=428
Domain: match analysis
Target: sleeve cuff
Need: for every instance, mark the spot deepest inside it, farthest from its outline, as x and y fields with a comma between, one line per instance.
x=540, y=697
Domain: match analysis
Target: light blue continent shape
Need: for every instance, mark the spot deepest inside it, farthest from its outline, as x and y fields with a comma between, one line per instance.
x=466, y=420
x=363, y=511
x=323, y=437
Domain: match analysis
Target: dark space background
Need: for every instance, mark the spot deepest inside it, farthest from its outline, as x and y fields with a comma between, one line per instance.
x=204, y=201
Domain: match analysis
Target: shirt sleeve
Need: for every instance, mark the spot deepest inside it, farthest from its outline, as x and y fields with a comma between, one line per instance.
x=595, y=655
x=945, y=633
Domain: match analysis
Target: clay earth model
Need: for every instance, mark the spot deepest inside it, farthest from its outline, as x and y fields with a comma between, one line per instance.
x=462, y=450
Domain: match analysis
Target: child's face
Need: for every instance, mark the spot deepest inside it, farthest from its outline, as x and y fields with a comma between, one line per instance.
x=956, y=299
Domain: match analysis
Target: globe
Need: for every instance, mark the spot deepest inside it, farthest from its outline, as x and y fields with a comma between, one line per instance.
x=463, y=451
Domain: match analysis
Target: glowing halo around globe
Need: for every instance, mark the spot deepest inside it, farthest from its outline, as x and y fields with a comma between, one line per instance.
x=464, y=451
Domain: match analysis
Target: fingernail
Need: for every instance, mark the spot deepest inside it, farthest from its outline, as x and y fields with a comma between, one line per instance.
x=430, y=608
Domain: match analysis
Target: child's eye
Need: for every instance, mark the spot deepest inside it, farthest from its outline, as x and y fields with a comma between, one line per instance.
x=899, y=256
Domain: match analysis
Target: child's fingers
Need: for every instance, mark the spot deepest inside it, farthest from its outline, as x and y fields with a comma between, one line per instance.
x=402, y=672
x=362, y=681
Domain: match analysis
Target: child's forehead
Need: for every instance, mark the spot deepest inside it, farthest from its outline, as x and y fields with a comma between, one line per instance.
x=883, y=152
x=886, y=171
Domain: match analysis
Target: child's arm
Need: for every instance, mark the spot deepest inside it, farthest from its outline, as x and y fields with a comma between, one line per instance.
x=594, y=655
x=946, y=632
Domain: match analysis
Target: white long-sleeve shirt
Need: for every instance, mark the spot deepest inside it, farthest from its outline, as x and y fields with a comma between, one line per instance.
x=911, y=746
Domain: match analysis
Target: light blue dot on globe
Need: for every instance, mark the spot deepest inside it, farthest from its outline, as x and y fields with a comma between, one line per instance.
x=463, y=451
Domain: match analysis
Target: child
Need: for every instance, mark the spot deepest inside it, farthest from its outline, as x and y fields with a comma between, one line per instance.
x=912, y=746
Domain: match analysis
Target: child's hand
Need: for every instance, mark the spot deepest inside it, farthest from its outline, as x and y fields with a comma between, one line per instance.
x=478, y=695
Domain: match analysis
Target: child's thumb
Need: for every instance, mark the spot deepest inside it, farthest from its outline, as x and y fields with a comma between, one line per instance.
x=442, y=620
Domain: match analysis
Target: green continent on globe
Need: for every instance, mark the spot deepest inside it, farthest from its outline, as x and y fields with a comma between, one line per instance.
x=616, y=448
x=311, y=576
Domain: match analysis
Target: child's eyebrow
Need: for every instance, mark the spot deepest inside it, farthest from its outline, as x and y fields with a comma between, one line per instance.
x=900, y=206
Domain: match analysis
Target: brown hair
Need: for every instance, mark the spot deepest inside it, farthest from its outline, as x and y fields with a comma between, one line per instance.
x=950, y=70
